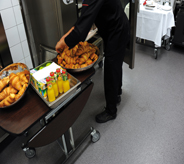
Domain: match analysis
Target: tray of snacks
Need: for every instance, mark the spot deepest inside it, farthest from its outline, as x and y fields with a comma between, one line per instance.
x=80, y=58
x=14, y=81
x=53, y=83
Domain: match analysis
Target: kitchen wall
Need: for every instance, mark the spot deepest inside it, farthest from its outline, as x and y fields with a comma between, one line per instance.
x=15, y=31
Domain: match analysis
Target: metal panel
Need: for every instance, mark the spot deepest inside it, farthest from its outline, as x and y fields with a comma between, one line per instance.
x=130, y=50
x=5, y=55
x=48, y=20
x=67, y=15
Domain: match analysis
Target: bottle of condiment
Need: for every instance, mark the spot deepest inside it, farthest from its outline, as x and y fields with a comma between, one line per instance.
x=50, y=90
x=66, y=83
x=54, y=84
x=59, y=80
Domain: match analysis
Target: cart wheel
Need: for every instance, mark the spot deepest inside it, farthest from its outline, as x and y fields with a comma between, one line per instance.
x=155, y=53
x=168, y=47
x=95, y=136
x=30, y=152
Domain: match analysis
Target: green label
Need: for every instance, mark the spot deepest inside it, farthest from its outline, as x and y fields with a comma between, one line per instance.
x=65, y=78
x=49, y=86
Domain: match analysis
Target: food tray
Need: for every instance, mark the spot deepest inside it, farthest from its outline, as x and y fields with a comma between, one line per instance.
x=14, y=68
x=87, y=67
x=74, y=85
x=47, y=52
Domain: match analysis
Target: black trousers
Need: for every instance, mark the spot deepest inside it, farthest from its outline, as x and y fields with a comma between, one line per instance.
x=113, y=72
x=113, y=75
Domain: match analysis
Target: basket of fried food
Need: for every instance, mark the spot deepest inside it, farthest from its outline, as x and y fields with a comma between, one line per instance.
x=14, y=81
x=80, y=58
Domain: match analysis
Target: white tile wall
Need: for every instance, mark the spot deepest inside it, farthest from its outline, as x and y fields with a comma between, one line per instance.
x=12, y=36
x=18, y=15
x=25, y=48
x=5, y=4
x=28, y=62
x=22, y=61
x=8, y=18
x=17, y=53
x=15, y=2
x=22, y=32
x=15, y=31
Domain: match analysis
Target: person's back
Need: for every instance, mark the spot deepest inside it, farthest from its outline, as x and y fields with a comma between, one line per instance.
x=111, y=18
x=108, y=16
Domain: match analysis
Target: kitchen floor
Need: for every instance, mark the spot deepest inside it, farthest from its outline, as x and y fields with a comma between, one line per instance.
x=149, y=128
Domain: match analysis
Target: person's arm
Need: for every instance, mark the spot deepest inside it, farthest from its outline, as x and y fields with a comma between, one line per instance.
x=78, y=33
x=69, y=32
x=89, y=12
x=61, y=43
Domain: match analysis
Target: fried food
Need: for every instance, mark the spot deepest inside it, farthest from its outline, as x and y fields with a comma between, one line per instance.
x=15, y=81
x=6, y=92
x=4, y=82
x=82, y=55
x=20, y=93
x=8, y=100
x=11, y=85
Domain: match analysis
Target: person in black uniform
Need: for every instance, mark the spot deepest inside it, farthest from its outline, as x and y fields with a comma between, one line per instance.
x=113, y=27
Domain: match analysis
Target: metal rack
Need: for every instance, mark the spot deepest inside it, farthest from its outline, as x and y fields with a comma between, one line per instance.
x=156, y=50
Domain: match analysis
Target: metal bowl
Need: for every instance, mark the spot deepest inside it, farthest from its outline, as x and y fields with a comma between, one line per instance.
x=87, y=67
x=14, y=68
x=81, y=69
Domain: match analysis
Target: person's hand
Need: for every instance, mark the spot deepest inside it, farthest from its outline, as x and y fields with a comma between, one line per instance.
x=60, y=45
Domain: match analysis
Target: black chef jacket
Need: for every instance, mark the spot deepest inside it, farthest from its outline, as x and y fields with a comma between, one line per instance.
x=113, y=26
x=110, y=19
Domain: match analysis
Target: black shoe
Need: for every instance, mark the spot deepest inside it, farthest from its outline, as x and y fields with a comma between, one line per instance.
x=118, y=100
x=104, y=117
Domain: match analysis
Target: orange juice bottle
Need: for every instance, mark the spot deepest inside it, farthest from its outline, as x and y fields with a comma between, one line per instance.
x=59, y=80
x=54, y=84
x=66, y=83
x=50, y=90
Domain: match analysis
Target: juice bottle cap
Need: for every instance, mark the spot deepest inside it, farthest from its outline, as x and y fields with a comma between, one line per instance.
x=47, y=79
x=58, y=70
x=63, y=71
x=52, y=74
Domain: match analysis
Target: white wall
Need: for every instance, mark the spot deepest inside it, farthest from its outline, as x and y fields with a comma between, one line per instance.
x=15, y=31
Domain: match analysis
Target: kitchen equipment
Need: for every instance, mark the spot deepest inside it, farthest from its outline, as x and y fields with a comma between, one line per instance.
x=5, y=55
x=14, y=68
x=47, y=23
